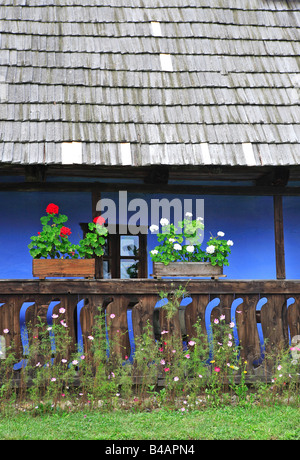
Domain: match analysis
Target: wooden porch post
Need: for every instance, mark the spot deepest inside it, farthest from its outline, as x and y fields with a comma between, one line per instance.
x=279, y=237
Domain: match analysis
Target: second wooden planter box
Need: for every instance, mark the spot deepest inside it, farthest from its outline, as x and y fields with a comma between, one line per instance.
x=187, y=269
x=43, y=268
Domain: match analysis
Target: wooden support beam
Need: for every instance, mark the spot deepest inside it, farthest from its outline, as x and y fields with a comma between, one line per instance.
x=149, y=188
x=35, y=173
x=137, y=286
x=279, y=237
x=157, y=175
x=277, y=177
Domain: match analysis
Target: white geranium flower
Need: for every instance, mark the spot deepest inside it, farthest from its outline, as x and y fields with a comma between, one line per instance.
x=154, y=251
x=172, y=240
x=190, y=248
x=199, y=218
x=164, y=222
x=210, y=249
x=230, y=243
x=220, y=233
x=153, y=228
x=188, y=214
x=177, y=246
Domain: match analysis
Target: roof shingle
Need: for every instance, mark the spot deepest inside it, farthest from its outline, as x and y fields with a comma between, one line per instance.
x=90, y=71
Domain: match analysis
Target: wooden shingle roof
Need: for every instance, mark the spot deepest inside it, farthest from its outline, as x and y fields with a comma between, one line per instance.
x=210, y=82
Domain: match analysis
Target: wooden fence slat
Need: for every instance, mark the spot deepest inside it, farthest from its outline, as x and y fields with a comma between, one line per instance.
x=293, y=317
x=274, y=322
x=10, y=320
x=172, y=325
x=94, y=305
x=142, y=313
x=32, y=315
x=225, y=306
x=118, y=326
x=5, y=322
x=196, y=311
x=247, y=329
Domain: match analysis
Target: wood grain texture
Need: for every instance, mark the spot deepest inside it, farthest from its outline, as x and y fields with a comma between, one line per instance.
x=182, y=269
x=43, y=268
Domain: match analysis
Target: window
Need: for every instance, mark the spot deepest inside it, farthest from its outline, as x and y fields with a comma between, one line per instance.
x=125, y=256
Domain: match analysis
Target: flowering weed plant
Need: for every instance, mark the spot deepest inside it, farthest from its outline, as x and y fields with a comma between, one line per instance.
x=171, y=247
x=53, y=241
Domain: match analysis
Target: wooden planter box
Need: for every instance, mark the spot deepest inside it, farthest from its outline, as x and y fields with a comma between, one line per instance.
x=187, y=269
x=43, y=268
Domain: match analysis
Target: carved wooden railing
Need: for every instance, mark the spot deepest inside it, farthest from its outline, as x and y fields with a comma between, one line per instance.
x=260, y=309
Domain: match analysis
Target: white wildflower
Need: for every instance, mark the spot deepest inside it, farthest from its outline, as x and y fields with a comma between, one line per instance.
x=220, y=233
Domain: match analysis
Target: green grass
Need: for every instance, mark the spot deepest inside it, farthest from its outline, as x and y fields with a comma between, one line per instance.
x=239, y=423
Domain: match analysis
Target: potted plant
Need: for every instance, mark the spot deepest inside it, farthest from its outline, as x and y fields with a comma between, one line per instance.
x=54, y=254
x=172, y=258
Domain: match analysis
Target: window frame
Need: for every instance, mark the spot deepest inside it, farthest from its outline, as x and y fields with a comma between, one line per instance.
x=114, y=254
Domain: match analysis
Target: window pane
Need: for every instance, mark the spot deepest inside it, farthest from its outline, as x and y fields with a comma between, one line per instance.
x=129, y=245
x=105, y=248
x=129, y=268
x=106, y=269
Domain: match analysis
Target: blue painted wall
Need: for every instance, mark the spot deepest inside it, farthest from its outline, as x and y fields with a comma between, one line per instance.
x=248, y=221
x=291, y=217
x=20, y=219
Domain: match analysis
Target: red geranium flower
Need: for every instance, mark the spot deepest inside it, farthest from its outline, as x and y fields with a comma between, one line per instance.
x=65, y=231
x=52, y=208
x=99, y=220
